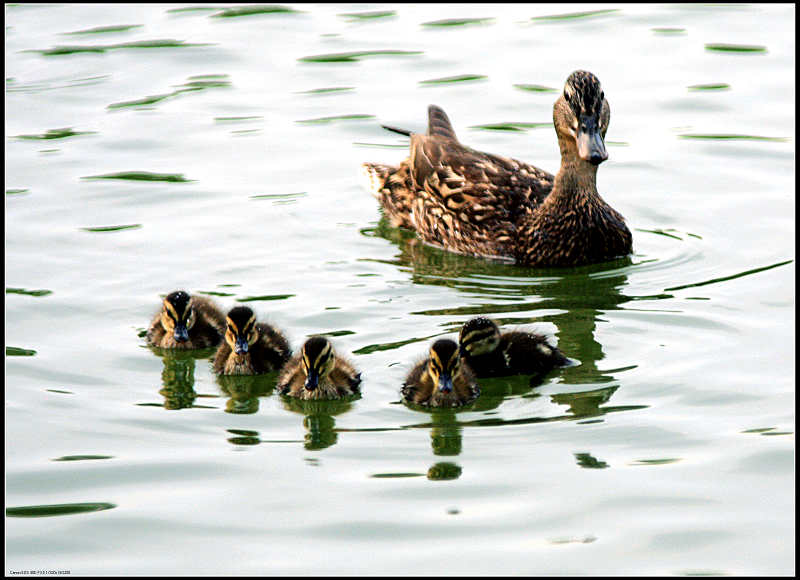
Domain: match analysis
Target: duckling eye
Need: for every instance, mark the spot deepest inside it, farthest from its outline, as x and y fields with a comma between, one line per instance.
x=602, y=95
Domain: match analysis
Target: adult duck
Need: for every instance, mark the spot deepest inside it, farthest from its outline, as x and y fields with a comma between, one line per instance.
x=476, y=203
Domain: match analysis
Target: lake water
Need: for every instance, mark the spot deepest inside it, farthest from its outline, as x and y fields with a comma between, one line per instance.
x=154, y=147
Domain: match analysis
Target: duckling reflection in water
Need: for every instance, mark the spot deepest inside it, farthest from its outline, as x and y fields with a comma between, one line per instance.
x=444, y=471
x=442, y=379
x=318, y=373
x=250, y=347
x=186, y=322
x=491, y=353
x=318, y=419
x=244, y=391
x=177, y=379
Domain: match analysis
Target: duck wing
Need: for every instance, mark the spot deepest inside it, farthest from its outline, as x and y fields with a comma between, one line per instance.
x=469, y=201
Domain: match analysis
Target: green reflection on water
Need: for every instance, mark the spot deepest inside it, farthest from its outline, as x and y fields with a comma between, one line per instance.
x=318, y=419
x=444, y=471
x=588, y=461
x=237, y=11
x=361, y=16
x=177, y=376
x=17, y=351
x=535, y=88
x=447, y=22
x=28, y=292
x=105, y=29
x=193, y=84
x=574, y=15
x=731, y=137
x=64, y=509
x=243, y=437
x=454, y=79
x=356, y=56
x=103, y=229
x=55, y=134
x=331, y=119
x=514, y=126
x=710, y=87
x=445, y=433
x=193, y=9
x=740, y=48
x=731, y=277
x=669, y=31
x=663, y=461
x=142, y=176
x=244, y=391
x=82, y=457
x=326, y=90
x=265, y=297
x=100, y=48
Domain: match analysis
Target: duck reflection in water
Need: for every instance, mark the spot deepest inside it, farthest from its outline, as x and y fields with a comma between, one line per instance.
x=318, y=419
x=244, y=391
x=446, y=441
x=177, y=376
x=574, y=300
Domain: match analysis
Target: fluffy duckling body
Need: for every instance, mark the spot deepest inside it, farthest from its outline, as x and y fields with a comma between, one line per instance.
x=490, y=353
x=475, y=203
x=250, y=347
x=442, y=379
x=319, y=373
x=186, y=322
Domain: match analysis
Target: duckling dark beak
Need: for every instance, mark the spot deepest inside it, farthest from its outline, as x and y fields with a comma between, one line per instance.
x=312, y=380
x=241, y=346
x=591, y=147
x=445, y=383
x=181, y=333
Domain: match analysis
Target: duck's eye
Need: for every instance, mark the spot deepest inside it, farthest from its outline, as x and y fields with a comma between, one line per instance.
x=602, y=95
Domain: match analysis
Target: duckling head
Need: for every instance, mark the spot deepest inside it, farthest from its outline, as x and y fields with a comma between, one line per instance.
x=318, y=360
x=581, y=115
x=177, y=315
x=478, y=336
x=241, y=332
x=443, y=364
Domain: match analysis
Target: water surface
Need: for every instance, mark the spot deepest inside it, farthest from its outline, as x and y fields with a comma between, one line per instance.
x=217, y=148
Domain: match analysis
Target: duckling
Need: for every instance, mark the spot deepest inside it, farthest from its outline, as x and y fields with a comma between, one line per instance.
x=475, y=203
x=488, y=352
x=186, y=322
x=250, y=347
x=442, y=379
x=318, y=373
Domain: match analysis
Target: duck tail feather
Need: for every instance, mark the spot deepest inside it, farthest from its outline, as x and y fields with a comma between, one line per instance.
x=439, y=123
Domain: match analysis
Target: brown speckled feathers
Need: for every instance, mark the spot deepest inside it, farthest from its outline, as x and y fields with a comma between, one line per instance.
x=480, y=204
x=203, y=320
